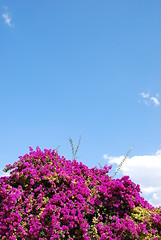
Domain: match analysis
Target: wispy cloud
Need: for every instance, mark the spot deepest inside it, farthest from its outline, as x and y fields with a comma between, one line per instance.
x=7, y=18
x=155, y=101
x=144, y=95
x=147, y=99
x=144, y=170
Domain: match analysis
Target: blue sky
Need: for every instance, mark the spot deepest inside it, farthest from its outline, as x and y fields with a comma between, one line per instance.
x=83, y=67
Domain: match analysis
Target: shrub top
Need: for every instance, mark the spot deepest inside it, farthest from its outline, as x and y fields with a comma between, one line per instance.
x=49, y=197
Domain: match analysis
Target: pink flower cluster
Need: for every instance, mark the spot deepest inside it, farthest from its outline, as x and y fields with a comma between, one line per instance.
x=49, y=197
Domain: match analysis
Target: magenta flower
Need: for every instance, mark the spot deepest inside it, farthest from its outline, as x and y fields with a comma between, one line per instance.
x=48, y=197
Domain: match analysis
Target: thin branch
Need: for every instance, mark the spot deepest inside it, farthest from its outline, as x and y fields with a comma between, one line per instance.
x=71, y=143
x=123, y=160
x=72, y=146
x=57, y=148
x=77, y=146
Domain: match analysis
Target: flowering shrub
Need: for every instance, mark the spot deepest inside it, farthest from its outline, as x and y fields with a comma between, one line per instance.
x=49, y=197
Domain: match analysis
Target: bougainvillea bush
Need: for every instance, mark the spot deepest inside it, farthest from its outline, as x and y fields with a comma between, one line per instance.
x=48, y=197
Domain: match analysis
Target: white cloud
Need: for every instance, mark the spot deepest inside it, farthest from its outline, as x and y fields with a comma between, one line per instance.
x=105, y=156
x=144, y=95
x=7, y=19
x=147, y=99
x=143, y=170
x=2, y=174
x=155, y=101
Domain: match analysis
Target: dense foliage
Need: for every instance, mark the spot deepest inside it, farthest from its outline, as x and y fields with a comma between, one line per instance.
x=49, y=197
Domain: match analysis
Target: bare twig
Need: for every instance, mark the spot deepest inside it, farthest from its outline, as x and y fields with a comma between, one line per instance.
x=57, y=148
x=72, y=146
x=123, y=160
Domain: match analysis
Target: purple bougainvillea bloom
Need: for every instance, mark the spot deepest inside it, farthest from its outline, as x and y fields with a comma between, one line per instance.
x=47, y=197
